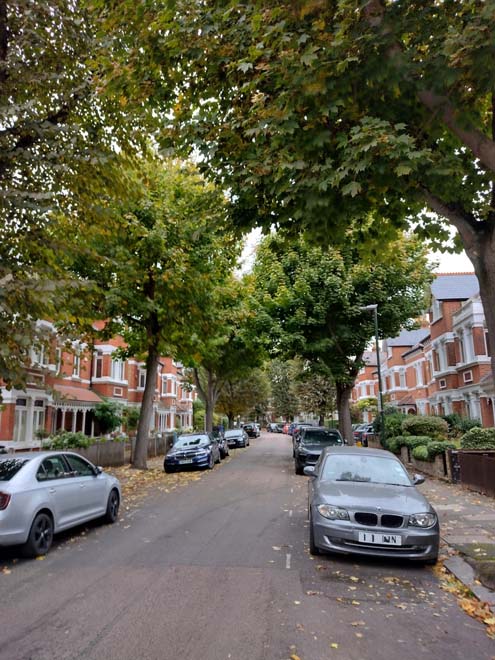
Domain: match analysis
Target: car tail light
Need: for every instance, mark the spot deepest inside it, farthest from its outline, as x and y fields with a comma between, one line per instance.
x=4, y=500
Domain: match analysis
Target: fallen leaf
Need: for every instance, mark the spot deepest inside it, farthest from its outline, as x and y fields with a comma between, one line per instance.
x=354, y=579
x=334, y=645
x=358, y=634
x=358, y=623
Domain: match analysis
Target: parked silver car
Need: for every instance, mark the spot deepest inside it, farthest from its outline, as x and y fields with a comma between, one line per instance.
x=362, y=501
x=42, y=493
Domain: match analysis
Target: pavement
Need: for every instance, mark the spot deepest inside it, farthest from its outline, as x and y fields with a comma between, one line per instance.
x=467, y=527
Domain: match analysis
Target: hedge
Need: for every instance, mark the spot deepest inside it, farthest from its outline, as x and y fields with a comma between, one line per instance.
x=420, y=453
x=416, y=425
x=394, y=444
x=478, y=438
x=413, y=441
x=437, y=447
x=68, y=440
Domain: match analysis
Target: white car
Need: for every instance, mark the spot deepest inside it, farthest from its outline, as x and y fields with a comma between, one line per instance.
x=42, y=493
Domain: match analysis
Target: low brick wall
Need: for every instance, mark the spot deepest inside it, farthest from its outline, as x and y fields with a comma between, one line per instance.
x=436, y=468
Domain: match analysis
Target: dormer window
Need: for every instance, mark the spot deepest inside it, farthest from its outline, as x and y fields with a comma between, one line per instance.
x=436, y=310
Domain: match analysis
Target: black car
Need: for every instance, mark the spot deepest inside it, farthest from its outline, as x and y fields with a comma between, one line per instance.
x=192, y=450
x=237, y=438
x=311, y=443
x=222, y=443
x=252, y=430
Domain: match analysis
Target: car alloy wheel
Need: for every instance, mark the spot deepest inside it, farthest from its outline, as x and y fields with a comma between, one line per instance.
x=40, y=536
x=211, y=462
x=112, y=507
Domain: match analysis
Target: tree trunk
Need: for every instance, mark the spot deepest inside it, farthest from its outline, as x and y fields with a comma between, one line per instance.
x=343, y=397
x=140, y=455
x=230, y=418
x=321, y=419
x=482, y=255
x=208, y=394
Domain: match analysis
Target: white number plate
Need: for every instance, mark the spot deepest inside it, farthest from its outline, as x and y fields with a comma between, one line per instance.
x=185, y=460
x=380, y=539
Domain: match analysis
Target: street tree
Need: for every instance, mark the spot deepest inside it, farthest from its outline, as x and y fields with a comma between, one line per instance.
x=228, y=348
x=156, y=265
x=282, y=376
x=311, y=303
x=242, y=395
x=61, y=145
x=316, y=391
x=318, y=114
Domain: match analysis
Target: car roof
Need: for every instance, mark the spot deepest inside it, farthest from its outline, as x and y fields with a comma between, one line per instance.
x=358, y=451
x=35, y=454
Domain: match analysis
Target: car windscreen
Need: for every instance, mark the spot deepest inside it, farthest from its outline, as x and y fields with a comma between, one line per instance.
x=11, y=466
x=191, y=441
x=321, y=438
x=369, y=469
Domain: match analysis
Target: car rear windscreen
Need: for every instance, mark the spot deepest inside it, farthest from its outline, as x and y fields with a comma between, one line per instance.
x=10, y=466
x=322, y=437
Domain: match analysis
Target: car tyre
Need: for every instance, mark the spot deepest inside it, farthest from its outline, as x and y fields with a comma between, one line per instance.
x=298, y=468
x=219, y=460
x=40, y=536
x=113, y=503
x=168, y=469
x=313, y=549
x=211, y=463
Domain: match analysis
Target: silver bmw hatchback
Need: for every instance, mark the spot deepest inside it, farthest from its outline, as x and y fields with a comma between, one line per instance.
x=362, y=501
x=42, y=493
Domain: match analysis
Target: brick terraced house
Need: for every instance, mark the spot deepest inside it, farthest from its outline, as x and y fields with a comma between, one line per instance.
x=444, y=366
x=64, y=386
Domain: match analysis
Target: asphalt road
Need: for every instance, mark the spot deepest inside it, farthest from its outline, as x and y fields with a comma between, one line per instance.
x=218, y=570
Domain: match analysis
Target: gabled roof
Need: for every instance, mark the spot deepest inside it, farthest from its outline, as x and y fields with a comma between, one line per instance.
x=70, y=393
x=455, y=286
x=409, y=337
x=369, y=358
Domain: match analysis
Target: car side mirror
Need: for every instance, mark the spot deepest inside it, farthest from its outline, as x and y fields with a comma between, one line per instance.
x=418, y=479
x=98, y=470
x=310, y=471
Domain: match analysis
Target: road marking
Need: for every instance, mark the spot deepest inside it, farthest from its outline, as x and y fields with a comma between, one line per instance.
x=287, y=561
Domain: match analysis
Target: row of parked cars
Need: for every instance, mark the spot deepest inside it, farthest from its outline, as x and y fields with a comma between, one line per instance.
x=203, y=450
x=362, y=501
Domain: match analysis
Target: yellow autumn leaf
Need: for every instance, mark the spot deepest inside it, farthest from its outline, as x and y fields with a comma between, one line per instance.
x=334, y=645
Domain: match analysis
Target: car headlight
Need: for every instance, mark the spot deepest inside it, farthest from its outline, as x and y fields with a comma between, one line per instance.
x=422, y=519
x=332, y=512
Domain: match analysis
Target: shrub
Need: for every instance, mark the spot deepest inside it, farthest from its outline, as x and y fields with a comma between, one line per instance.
x=420, y=452
x=109, y=415
x=413, y=441
x=68, y=440
x=438, y=447
x=435, y=427
x=394, y=444
x=459, y=425
x=478, y=438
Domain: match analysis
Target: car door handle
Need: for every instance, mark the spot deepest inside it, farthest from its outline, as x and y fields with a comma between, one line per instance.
x=52, y=490
x=82, y=485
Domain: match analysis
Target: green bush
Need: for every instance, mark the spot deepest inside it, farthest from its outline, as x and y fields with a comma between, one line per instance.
x=393, y=424
x=413, y=441
x=420, y=453
x=68, y=440
x=435, y=427
x=394, y=444
x=459, y=425
x=478, y=438
x=437, y=447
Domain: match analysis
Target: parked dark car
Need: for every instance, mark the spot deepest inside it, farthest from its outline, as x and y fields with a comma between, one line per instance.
x=312, y=441
x=192, y=450
x=272, y=427
x=237, y=438
x=296, y=434
x=362, y=501
x=222, y=443
x=361, y=434
x=252, y=430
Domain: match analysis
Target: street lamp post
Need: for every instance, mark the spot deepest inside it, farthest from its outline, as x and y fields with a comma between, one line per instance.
x=374, y=308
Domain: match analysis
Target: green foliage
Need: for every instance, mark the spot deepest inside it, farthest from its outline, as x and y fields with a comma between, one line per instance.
x=393, y=444
x=435, y=427
x=459, y=425
x=393, y=423
x=68, y=440
x=108, y=415
x=479, y=438
x=198, y=414
x=281, y=375
x=412, y=441
x=244, y=396
x=130, y=417
x=439, y=447
x=420, y=452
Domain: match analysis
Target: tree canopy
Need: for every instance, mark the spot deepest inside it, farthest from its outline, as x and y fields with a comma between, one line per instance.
x=311, y=303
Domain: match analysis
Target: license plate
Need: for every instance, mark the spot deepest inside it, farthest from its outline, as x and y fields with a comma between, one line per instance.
x=185, y=461
x=380, y=539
